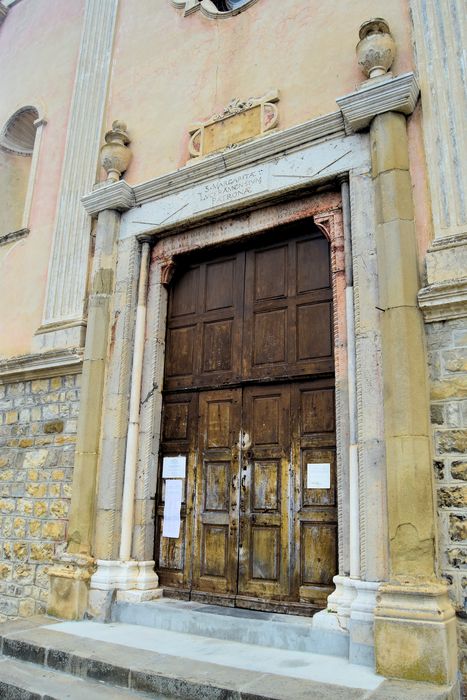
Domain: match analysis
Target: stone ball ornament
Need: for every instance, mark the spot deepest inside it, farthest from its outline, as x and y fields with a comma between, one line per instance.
x=376, y=48
x=115, y=155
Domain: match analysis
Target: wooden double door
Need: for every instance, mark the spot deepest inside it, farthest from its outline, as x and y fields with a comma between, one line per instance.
x=249, y=401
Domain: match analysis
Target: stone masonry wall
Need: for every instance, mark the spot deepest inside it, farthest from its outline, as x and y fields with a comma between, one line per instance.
x=447, y=348
x=37, y=441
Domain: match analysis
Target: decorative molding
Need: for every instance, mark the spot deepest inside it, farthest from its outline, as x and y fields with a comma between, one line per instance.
x=3, y=13
x=439, y=41
x=239, y=121
x=208, y=8
x=67, y=277
x=41, y=365
x=376, y=96
x=444, y=301
x=118, y=195
x=121, y=196
x=13, y=236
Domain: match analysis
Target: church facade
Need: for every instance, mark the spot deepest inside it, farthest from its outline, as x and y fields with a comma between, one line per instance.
x=234, y=316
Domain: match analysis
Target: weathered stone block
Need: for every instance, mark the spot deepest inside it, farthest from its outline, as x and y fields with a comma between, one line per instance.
x=39, y=386
x=35, y=459
x=452, y=497
x=59, y=509
x=459, y=470
x=53, y=531
x=36, y=490
x=451, y=440
x=11, y=417
x=54, y=426
x=6, y=571
x=458, y=527
x=42, y=552
x=437, y=414
x=455, y=360
x=458, y=557
x=34, y=528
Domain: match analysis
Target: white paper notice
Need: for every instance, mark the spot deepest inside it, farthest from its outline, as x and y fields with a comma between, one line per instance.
x=318, y=476
x=173, y=503
x=174, y=467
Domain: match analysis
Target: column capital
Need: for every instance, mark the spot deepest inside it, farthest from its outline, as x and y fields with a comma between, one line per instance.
x=376, y=96
x=117, y=195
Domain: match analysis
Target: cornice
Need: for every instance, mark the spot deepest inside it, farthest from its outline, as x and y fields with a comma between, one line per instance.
x=442, y=301
x=38, y=365
x=388, y=94
x=121, y=196
x=118, y=195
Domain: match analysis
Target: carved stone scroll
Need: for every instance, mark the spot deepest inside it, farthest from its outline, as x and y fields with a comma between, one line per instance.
x=236, y=123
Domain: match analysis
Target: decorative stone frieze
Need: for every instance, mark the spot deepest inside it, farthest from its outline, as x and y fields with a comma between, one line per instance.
x=393, y=94
x=210, y=8
x=240, y=121
x=376, y=48
x=67, y=278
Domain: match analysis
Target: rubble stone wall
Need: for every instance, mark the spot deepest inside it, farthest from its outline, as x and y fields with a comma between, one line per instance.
x=37, y=441
x=447, y=349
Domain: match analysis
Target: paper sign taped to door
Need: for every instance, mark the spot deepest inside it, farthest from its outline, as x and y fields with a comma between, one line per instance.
x=318, y=476
x=174, y=467
x=172, y=506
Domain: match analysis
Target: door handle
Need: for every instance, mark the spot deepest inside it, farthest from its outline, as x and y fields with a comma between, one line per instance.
x=243, y=482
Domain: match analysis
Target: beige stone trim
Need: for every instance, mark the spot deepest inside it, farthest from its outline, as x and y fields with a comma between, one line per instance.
x=376, y=96
x=66, y=286
x=41, y=365
x=439, y=33
x=118, y=195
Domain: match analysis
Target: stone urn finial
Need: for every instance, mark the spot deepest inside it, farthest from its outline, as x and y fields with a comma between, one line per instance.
x=115, y=154
x=376, y=48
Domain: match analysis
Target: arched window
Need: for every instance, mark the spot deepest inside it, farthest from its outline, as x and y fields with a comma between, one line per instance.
x=213, y=8
x=18, y=159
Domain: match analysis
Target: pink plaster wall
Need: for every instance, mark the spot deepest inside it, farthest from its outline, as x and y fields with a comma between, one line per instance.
x=170, y=71
x=39, y=43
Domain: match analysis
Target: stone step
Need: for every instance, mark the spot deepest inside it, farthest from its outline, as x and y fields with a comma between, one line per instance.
x=131, y=661
x=20, y=680
x=291, y=632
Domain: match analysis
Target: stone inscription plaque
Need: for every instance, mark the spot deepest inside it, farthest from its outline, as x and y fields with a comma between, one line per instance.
x=215, y=194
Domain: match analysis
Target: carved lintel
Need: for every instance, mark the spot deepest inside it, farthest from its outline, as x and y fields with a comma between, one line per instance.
x=239, y=121
x=167, y=272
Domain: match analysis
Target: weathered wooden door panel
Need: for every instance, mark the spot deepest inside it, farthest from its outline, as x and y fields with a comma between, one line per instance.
x=179, y=437
x=248, y=336
x=216, y=510
x=288, y=309
x=265, y=518
x=204, y=330
x=315, y=531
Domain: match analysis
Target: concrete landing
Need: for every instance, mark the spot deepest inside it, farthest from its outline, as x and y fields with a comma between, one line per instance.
x=288, y=632
x=43, y=659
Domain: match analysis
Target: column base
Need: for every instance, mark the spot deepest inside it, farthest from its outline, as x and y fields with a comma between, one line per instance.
x=415, y=633
x=133, y=580
x=362, y=617
x=69, y=586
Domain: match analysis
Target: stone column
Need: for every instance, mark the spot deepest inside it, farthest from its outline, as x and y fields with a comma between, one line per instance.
x=69, y=580
x=415, y=632
x=415, y=635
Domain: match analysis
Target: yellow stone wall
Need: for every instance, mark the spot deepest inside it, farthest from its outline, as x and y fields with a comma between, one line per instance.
x=37, y=443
